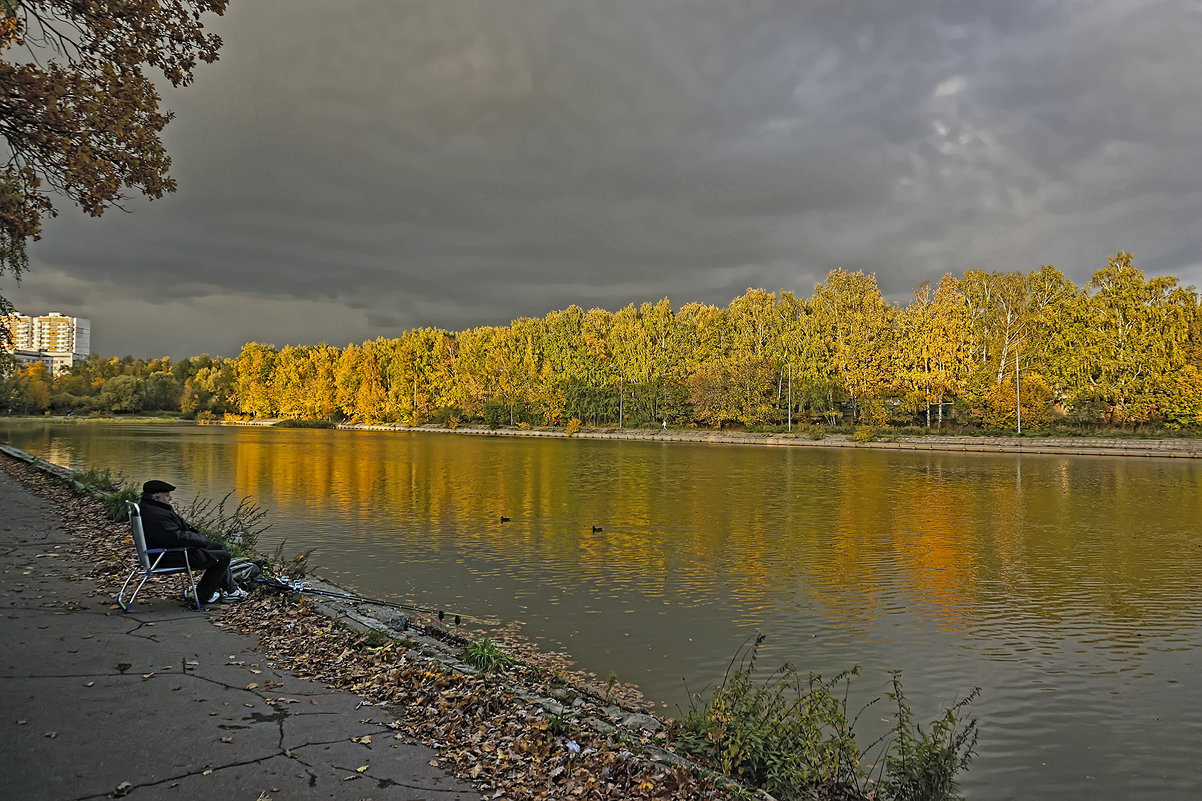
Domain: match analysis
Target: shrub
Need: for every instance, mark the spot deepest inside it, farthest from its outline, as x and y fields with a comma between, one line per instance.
x=112, y=490
x=784, y=735
x=865, y=434
x=295, y=568
x=114, y=503
x=573, y=426
x=447, y=415
x=923, y=767
x=495, y=414
x=997, y=404
x=486, y=656
x=789, y=735
x=239, y=528
x=98, y=481
x=290, y=423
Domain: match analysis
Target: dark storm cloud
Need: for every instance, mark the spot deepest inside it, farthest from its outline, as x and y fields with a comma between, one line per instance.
x=352, y=171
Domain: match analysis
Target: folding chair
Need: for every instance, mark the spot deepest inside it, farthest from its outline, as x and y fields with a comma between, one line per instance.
x=149, y=568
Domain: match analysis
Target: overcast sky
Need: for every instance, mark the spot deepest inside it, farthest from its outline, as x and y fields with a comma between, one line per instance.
x=353, y=170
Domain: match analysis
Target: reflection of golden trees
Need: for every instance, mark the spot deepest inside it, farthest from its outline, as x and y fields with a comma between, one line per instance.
x=858, y=533
x=852, y=535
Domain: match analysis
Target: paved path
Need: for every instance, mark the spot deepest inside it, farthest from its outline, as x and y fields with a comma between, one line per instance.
x=162, y=704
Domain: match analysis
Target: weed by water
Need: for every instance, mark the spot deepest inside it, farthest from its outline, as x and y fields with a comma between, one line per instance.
x=111, y=488
x=484, y=655
x=374, y=638
x=611, y=681
x=100, y=480
x=789, y=734
x=785, y=733
x=922, y=766
x=238, y=526
x=558, y=724
x=294, y=568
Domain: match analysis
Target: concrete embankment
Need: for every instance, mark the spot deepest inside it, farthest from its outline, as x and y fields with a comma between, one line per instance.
x=1169, y=448
x=1180, y=448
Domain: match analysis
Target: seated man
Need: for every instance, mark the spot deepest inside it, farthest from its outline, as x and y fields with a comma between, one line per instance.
x=166, y=529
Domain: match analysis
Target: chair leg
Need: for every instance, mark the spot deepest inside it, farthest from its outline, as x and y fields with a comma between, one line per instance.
x=192, y=581
x=188, y=581
x=146, y=574
x=141, y=584
x=125, y=606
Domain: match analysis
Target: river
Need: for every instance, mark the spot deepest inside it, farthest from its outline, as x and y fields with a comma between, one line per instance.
x=1065, y=587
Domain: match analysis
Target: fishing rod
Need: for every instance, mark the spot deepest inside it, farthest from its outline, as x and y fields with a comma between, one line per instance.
x=277, y=583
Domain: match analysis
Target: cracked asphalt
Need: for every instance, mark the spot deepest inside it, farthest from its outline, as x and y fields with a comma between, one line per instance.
x=161, y=703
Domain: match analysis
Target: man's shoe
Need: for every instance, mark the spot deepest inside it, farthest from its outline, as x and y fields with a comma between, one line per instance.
x=236, y=595
x=214, y=598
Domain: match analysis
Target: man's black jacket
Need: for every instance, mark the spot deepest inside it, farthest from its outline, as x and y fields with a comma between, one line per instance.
x=166, y=529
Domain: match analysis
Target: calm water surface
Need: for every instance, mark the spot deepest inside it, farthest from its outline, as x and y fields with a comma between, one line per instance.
x=1066, y=588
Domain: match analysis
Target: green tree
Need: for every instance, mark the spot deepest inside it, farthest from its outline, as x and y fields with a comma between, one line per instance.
x=123, y=393
x=421, y=371
x=932, y=354
x=858, y=324
x=640, y=341
x=370, y=402
x=757, y=343
x=253, y=388
x=24, y=390
x=474, y=383
x=161, y=391
x=999, y=312
x=565, y=358
x=700, y=343
x=1057, y=333
x=78, y=115
x=514, y=360
x=211, y=390
x=581, y=343
x=1139, y=336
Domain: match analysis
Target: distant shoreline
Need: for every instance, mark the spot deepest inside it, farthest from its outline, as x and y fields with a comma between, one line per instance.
x=1180, y=448
x=1174, y=448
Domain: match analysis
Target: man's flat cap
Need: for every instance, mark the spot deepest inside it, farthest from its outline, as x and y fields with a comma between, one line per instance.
x=156, y=486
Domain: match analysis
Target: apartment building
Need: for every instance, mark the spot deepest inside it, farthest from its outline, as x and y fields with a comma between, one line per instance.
x=53, y=338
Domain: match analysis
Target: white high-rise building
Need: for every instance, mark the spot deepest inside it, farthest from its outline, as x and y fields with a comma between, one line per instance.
x=55, y=337
x=20, y=332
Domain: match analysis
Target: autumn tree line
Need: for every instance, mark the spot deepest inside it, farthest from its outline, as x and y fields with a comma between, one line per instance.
x=995, y=350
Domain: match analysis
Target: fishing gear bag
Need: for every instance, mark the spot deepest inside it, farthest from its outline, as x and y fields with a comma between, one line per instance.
x=245, y=570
